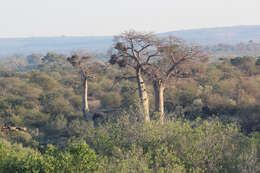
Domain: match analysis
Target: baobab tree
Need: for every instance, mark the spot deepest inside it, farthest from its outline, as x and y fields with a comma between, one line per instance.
x=80, y=63
x=135, y=50
x=173, y=61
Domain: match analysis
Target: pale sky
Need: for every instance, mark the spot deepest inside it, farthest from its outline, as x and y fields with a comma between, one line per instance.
x=33, y=18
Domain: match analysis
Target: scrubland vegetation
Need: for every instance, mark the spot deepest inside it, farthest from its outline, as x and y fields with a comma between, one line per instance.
x=211, y=117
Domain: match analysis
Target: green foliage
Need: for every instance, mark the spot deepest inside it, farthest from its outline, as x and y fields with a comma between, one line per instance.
x=44, y=81
x=75, y=157
x=53, y=62
x=178, y=146
x=128, y=145
x=58, y=124
x=112, y=100
x=246, y=64
x=48, y=102
x=77, y=127
x=76, y=102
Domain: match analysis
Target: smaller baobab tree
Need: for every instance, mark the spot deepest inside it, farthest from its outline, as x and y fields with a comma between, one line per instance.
x=135, y=50
x=174, y=61
x=80, y=63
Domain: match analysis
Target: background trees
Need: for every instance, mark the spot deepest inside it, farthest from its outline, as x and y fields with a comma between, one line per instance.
x=174, y=60
x=134, y=49
x=160, y=59
x=123, y=146
x=212, y=115
x=85, y=74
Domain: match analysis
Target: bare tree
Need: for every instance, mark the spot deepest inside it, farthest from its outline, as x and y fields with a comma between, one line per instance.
x=84, y=70
x=135, y=49
x=174, y=61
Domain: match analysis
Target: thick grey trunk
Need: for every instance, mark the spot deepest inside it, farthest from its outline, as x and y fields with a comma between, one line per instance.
x=85, y=98
x=144, y=100
x=159, y=99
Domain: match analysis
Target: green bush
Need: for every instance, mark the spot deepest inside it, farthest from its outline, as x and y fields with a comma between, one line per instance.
x=111, y=100
x=126, y=145
x=75, y=157
x=182, y=146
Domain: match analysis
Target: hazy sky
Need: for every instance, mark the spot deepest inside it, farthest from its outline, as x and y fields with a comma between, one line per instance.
x=28, y=18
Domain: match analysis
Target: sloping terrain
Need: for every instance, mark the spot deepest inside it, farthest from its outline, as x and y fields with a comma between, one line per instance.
x=67, y=44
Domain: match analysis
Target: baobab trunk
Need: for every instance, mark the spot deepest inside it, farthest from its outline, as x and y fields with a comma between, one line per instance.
x=143, y=96
x=85, y=98
x=159, y=99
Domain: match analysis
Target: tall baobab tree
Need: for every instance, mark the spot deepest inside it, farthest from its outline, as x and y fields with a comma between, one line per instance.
x=135, y=49
x=80, y=63
x=174, y=61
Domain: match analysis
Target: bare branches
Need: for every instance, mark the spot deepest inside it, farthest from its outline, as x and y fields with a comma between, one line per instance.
x=172, y=59
x=80, y=63
x=120, y=78
x=174, y=65
x=134, y=47
x=143, y=48
x=150, y=56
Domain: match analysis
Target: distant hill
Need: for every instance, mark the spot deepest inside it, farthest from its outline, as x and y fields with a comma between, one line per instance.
x=64, y=44
x=225, y=35
x=67, y=44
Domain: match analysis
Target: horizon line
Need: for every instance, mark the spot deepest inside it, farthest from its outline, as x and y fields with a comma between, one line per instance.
x=60, y=36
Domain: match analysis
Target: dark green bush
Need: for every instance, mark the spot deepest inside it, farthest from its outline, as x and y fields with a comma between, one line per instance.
x=75, y=157
x=111, y=100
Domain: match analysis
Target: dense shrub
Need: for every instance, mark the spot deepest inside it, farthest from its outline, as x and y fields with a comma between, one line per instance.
x=75, y=157
x=111, y=100
x=129, y=146
x=178, y=146
x=49, y=104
